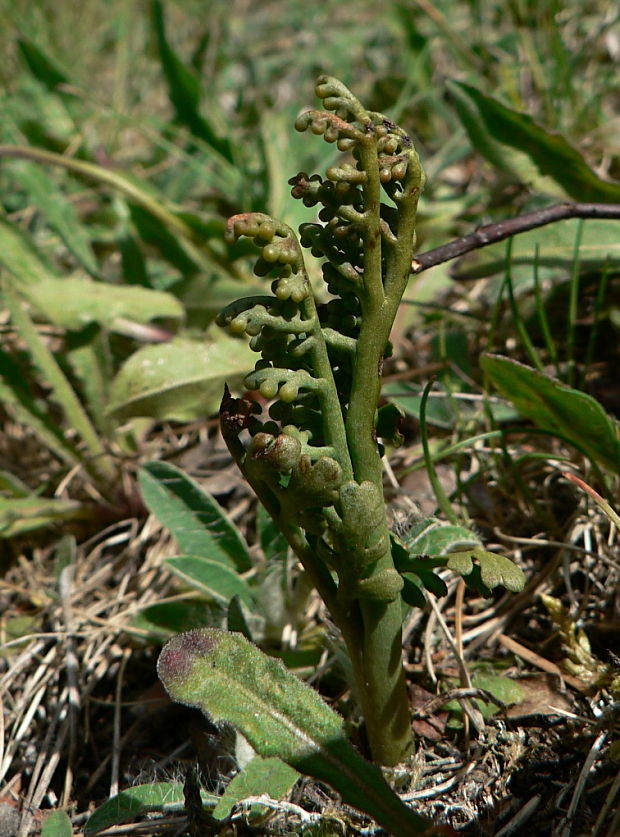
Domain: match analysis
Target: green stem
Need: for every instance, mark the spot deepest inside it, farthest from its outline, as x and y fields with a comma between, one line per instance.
x=442, y=498
x=380, y=680
x=374, y=332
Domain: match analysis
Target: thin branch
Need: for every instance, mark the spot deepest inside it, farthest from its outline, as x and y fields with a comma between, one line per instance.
x=491, y=233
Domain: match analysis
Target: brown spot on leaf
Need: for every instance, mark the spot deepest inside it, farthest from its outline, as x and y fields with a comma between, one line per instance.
x=178, y=654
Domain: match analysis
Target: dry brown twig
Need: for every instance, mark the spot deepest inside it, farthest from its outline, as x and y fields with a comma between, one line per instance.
x=501, y=230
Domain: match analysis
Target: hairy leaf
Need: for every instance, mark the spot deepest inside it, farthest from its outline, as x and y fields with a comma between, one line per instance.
x=432, y=536
x=139, y=800
x=230, y=680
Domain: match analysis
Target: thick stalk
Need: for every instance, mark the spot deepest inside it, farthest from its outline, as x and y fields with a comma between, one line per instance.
x=381, y=680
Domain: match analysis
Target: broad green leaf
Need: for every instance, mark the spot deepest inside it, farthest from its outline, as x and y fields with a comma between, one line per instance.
x=551, y=246
x=231, y=681
x=552, y=153
x=495, y=570
x=20, y=257
x=196, y=520
x=159, y=797
x=504, y=688
x=271, y=776
x=556, y=407
x=211, y=577
x=74, y=303
x=57, y=824
x=57, y=210
x=14, y=628
x=182, y=380
x=19, y=515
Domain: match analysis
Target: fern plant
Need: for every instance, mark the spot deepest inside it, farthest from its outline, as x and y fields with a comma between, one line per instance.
x=314, y=461
x=313, y=455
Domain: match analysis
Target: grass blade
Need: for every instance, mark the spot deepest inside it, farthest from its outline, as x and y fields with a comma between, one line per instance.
x=101, y=465
x=184, y=89
x=528, y=345
x=28, y=410
x=59, y=212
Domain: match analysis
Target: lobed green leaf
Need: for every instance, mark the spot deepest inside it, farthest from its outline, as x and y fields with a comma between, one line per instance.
x=494, y=570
